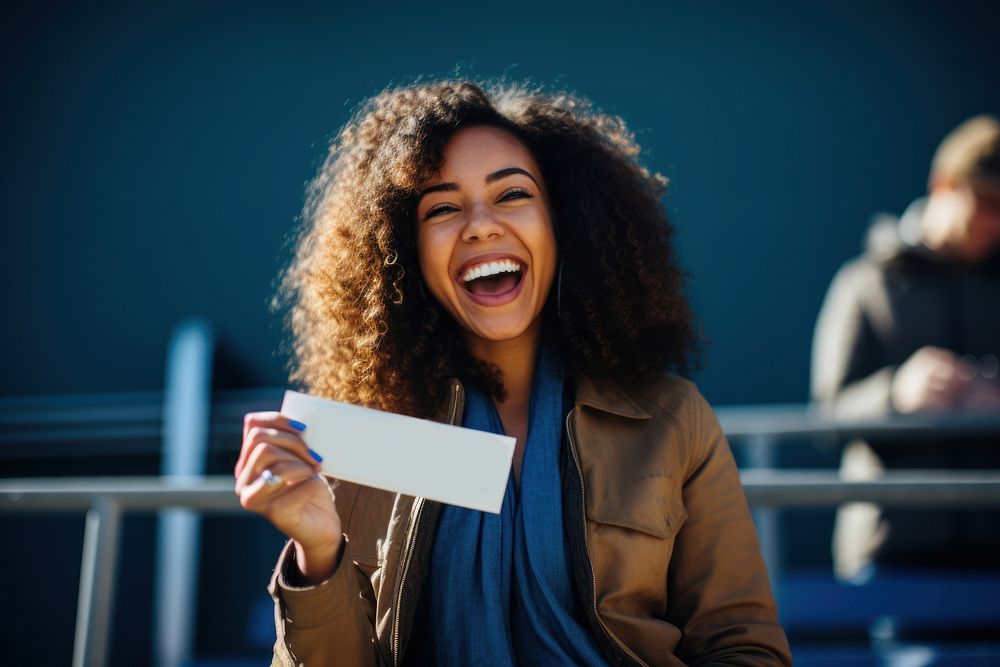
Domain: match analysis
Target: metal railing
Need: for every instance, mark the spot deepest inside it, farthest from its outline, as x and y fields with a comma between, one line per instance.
x=28, y=424
x=763, y=488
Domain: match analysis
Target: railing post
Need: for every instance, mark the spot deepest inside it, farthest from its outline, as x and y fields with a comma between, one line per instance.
x=186, y=407
x=760, y=455
x=95, y=602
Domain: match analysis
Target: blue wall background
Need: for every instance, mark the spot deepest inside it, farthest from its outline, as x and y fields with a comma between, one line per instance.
x=155, y=156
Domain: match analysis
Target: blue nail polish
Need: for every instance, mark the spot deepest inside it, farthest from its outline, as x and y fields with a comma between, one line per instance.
x=319, y=459
x=298, y=426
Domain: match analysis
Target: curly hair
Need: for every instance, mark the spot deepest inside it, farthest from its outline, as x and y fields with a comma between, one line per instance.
x=364, y=330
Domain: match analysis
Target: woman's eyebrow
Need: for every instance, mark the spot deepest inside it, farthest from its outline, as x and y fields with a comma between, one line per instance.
x=490, y=178
x=440, y=187
x=509, y=171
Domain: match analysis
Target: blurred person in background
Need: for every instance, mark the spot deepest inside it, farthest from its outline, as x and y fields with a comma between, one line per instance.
x=913, y=326
x=496, y=257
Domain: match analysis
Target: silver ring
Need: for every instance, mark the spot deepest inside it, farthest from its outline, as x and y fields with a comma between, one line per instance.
x=271, y=479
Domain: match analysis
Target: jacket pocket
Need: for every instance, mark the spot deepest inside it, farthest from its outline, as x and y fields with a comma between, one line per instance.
x=651, y=504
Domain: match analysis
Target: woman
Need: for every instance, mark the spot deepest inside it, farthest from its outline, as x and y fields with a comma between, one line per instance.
x=497, y=258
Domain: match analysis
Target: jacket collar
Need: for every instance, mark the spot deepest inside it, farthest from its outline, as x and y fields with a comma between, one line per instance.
x=602, y=394
x=608, y=396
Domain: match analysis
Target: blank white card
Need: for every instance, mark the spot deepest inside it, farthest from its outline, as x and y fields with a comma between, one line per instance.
x=450, y=464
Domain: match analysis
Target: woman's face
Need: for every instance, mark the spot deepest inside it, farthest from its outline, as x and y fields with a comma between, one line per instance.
x=484, y=234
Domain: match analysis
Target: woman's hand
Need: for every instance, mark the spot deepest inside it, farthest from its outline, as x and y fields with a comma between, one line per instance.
x=291, y=494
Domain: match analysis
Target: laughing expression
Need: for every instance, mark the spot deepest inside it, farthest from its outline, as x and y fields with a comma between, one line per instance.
x=484, y=235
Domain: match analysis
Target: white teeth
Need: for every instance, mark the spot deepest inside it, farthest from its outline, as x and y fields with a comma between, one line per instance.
x=490, y=269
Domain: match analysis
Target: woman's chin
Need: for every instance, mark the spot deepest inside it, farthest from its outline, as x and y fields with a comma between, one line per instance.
x=498, y=329
x=497, y=334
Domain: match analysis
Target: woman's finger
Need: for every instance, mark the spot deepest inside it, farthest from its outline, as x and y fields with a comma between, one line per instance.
x=261, y=492
x=267, y=456
x=290, y=441
x=271, y=420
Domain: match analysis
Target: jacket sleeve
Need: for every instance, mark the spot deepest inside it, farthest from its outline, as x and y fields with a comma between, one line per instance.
x=326, y=624
x=719, y=591
x=850, y=376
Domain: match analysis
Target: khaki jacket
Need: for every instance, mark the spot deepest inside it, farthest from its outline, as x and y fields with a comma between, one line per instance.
x=665, y=556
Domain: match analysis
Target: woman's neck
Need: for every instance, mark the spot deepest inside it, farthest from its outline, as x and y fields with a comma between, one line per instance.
x=516, y=360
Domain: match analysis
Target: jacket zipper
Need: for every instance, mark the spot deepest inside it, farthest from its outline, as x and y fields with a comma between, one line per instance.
x=590, y=564
x=410, y=545
x=402, y=581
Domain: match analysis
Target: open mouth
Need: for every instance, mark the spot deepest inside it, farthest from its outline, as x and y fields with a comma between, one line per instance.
x=494, y=278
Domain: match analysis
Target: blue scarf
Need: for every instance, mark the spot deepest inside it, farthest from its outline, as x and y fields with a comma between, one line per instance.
x=500, y=587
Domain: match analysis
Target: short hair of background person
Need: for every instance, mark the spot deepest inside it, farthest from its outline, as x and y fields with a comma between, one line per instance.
x=969, y=154
x=962, y=218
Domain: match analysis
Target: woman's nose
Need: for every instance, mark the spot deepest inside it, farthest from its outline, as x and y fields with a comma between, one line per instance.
x=482, y=226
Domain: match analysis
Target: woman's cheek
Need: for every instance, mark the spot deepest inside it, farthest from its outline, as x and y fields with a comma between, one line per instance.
x=434, y=253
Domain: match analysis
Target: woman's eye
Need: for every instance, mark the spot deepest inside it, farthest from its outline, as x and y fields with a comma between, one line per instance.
x=515, y=193
x=440, y=210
